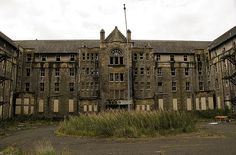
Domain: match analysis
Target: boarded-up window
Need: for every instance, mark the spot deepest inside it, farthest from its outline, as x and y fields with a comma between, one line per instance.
x=0, y=111
x=26, y=110
x=55, y=105
x=160, y=104
x=71, y=105
x=95, y=107
x=175, y=106
x=148, y=107
x=31, y=110
x=90, y=108
x=137, y=107
x=227, y=102
x=32, y=101
x=197, y=104
x=18, y=110
x=203, y=103
x=85, y=108
x=26, y=101
x=143, y=107
x=18, y=101
x=218, y=102
x=189, y=104
x=41, y=106
x=210, y=103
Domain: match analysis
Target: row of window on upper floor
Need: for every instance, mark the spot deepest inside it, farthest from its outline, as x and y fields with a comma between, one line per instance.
x=94, y=56
x=43, y=58
x=94, y=85
x=141, y=71
x=71, y=86
x=137, y=71
x=160, y=86
x=185, y=58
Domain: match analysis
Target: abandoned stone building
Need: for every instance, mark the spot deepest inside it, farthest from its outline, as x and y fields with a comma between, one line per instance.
x=54, y=78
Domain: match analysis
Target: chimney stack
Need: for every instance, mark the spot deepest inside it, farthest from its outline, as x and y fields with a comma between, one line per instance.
x=128, y=36
x=102, y=36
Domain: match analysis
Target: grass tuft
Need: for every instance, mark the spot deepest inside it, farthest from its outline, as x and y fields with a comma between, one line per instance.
x=129, y=124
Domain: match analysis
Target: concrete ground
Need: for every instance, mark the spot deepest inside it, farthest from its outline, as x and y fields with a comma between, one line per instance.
x=212, y=139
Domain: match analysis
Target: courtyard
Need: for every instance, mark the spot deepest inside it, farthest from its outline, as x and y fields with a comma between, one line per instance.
x=209, y=139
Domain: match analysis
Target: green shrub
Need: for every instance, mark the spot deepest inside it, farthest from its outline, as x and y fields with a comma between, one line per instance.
x=128, y=124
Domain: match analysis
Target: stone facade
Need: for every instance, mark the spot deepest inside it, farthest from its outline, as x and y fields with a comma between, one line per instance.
x=68, y=77
x=222, y=63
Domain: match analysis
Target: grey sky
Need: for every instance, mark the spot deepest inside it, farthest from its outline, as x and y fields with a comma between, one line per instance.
x=147, y=19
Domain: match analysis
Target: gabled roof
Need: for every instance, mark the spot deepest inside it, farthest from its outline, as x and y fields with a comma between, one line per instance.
x=7, y=39
x=223, y=38
x=116, y=36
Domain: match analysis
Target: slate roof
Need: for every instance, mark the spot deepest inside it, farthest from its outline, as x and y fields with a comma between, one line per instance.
x=6, y=38
x=160, y=46
x=55, y=46
x=223, y=38
x=172, y=46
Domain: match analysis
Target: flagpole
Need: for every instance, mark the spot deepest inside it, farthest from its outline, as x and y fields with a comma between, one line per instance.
x=128, y=57
x=125, y=22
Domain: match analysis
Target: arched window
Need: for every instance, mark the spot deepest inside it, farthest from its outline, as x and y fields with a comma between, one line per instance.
x=116, y=57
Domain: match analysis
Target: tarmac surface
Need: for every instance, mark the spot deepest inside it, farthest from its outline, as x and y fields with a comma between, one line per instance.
x=211, y=139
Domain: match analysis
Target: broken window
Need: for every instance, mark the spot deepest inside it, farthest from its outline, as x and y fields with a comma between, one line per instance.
x=72, y=72
x=41, y=85
x=187, y=86
x=71, y=86
x=186, y=71
x=27, y=71
x=159, y=87
x=174, y=86
x=185, y=58
x=57, y=71
x=172, y=57
x=56, y=87
x=27, y=86
x=159, y=71
x=43, y=58
x=141, y=71
x=173, y=71
x=72, y=57
x=29, y=57
x=58, y=58
x=42, y=72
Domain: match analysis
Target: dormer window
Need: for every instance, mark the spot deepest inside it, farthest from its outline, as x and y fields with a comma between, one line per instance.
x=72, y=57
x=58, y=58
x=172, y=58
x=116, y=57
x=43, y=58
x=29, y=57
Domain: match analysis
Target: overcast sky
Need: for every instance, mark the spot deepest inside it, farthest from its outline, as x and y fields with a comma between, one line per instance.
x=147, y=19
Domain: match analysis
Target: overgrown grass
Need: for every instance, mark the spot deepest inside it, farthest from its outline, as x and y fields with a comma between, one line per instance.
x=129, y=124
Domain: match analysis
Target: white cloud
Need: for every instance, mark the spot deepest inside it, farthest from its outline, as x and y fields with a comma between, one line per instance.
x=147, y=19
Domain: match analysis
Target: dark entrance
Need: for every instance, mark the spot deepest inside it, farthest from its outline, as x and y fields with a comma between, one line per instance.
x=116, y=105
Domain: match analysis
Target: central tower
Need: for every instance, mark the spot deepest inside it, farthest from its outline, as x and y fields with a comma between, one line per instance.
x=115, y=70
